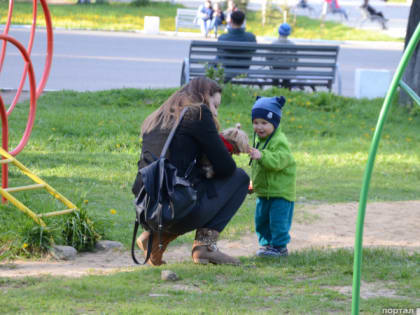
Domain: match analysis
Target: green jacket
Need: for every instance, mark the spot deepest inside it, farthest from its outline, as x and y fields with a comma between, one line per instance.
x=274, y=175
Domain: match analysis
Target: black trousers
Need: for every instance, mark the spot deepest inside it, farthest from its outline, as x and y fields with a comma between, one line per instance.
x=216, y=212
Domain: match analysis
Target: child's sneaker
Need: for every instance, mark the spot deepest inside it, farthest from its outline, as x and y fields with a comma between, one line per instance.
x=263, y=250
x=280, y=251
x=270, y=251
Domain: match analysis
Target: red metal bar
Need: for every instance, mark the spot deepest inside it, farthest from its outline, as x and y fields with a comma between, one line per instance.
x=5, y=32
x=4, y=143
x=48, y=58
x=25, y=70
x=32, y=85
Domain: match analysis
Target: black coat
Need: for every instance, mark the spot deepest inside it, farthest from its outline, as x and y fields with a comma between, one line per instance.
x=196, y=136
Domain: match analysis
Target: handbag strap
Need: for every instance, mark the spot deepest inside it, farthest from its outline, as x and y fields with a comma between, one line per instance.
x=172, y=133
x=149, y=244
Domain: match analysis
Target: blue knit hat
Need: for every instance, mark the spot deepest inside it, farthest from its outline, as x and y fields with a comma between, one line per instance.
x=285, y=29
x=269, y=109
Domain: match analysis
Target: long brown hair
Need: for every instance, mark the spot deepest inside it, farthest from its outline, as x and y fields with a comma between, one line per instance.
x=198, y=91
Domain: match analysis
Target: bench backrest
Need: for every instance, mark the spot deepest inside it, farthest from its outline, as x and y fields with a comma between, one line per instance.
x=268, y=61
x=185, y=16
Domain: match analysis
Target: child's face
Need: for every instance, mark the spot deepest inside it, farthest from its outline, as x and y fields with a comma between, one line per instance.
x=262, y=127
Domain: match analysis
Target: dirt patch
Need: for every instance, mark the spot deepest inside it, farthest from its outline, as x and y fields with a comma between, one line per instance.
x=369, y=290
x=389, y=224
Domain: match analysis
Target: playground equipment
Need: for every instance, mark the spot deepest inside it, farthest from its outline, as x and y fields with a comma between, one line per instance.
x=396, y=81
x=35, y=92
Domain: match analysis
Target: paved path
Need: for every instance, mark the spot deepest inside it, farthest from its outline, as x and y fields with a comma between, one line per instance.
x=86, y=60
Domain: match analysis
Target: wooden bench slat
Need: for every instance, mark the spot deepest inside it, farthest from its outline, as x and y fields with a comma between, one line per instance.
x=260, y=54
x=274, y=73
x=212, y=61
x=250, y=45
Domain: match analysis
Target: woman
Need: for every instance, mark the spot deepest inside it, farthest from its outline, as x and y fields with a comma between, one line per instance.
x=218, y=18
x=231, y=7
x=197, y=135
x=204, y=17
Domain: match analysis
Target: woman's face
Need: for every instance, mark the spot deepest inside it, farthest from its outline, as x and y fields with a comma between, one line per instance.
x=214, y=102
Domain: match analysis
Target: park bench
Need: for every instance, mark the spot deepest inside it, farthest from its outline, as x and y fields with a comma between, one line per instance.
x=304, y=66
x=185, y=18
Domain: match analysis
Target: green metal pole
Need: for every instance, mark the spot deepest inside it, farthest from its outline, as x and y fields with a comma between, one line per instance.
x=368, y=171
x=410, y=92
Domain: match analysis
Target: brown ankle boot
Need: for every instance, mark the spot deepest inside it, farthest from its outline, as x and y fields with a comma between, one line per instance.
x=205, y=249
x=157, y=253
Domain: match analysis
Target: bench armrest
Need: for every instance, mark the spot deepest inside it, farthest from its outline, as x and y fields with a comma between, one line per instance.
x=185, y=72
x=338, y=76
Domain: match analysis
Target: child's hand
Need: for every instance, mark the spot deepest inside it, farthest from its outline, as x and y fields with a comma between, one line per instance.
x=254, y=154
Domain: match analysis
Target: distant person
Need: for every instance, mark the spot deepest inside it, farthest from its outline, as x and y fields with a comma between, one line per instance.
x=218, y=18
x=273, y=178
x=236, y=33
x=373, y=14
x=333, y=7
x=204, y=17
x=231, y=7
x=303, y=4
x=284, y=31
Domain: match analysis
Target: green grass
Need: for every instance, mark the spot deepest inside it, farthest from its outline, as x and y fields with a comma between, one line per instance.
x=304, y=283
x=86, y=145
x=125, y=17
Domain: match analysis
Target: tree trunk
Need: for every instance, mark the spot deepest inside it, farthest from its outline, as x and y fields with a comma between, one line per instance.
x=412, y=72
x=264, y=12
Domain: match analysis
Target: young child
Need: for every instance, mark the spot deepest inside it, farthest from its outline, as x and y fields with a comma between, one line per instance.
x=273, y=178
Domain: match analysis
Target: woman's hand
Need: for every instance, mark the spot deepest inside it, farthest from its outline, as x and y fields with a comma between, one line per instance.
x=254, y=154
x=250, y=188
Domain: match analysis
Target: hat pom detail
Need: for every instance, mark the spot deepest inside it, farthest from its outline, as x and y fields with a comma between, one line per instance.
x=281, y=101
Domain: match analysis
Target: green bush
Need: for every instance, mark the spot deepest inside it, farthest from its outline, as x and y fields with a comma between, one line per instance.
x=140, y=3
x=79, y=231
x=37, y=239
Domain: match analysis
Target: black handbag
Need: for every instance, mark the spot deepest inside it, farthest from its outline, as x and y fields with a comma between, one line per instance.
x=165, y=198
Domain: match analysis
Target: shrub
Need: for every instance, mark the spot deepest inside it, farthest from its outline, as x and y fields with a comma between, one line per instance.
x=79, y=231
x=140, y=3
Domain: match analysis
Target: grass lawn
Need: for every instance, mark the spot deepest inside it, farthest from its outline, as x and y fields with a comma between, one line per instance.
x=86, y=146
x=125, y=17
x=304, y=283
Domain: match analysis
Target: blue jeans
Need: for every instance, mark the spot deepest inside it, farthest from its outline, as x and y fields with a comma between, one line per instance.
x=273, y=219
x=215, y=23
x=205, y=26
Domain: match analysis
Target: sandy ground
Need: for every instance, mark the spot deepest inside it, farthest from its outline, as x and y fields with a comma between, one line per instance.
x=390, y=224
